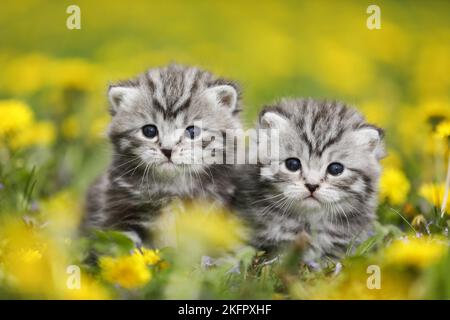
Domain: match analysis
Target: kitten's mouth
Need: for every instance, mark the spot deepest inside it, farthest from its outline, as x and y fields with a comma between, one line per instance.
x=312, y=198
x=168, y=165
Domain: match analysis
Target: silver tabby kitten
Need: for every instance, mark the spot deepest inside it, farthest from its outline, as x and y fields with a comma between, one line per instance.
x=162, y=131
x=323, y=183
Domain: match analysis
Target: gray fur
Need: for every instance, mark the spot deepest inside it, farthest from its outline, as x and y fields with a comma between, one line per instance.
x=139, y=182
x=274, y=201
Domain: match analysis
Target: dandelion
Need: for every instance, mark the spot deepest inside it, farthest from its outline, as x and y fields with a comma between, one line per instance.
x=375, y=112
x=149, y=256
x=74, y=74
x=89, y=290
x=31, y=260
x=353, y=286
x=393, y=160
x=416, y=252
x=336, y=60
x=63, y=210
x=394, y=186
x=434, y=194
x=443, y=129
x=15, y=115
x=26, y=74
x=435, y=111
x=40, y=133
x=129, y=271
x=206, y=225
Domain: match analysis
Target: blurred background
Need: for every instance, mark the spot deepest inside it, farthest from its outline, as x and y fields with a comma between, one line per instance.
x=53, y=82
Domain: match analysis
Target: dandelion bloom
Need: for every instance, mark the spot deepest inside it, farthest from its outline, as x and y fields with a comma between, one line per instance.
x=89, y=290
x=40, y=133
x=206, y=226
x=16, y=115
x=75, y=74
x=394, y=186
x=416, y=252
x=443, y=129
x=434, y=194
x=150, y=257
x=32, y=262
x=128, y=271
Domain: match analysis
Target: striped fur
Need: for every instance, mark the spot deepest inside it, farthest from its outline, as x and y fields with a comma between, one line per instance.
x=275, y=200
x=140, y=182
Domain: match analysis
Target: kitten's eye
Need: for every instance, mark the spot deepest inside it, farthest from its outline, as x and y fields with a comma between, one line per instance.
x=150, y=131
x=193, y=132
x=335, y=168
x=293, y=164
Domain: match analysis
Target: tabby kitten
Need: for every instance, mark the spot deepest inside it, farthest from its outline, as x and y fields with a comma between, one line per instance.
x=323, y=181
x=164, y=130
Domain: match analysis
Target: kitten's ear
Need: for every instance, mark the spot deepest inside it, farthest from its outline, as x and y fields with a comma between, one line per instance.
x=272, y=120
x=121, y=98
x=372, y=138
x=223, y=95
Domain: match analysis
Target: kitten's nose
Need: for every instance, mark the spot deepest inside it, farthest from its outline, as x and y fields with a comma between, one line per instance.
x=167, y=152
x=311, y=187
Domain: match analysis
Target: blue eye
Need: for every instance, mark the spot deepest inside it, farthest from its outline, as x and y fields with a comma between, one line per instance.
x=335, y=168
x=150, y=131
x=293, y=164
x=193, y=132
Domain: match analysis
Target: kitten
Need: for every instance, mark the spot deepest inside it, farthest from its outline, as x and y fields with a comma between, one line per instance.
x=164, y=130
x=323, y=181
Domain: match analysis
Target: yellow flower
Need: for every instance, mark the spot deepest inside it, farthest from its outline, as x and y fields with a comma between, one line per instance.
x=376, y=112
x=26, y=74
x=76, y=74
x=443, y=129
x=63, y=210
x=335, y=60
x=434, y=194
x=40, y=133
x=416, y=252
x=89, y=290
x=32, y=262
x=149, y=256
x=352, y=285
x=205, y=225
x=128, y=271
x=393, y=160
x=15, y=115
x=31, y=255
x=27, y=268
x=434, y=111
x=394, y=186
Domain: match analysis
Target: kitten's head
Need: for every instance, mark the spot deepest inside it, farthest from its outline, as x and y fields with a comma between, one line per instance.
x=171, y=118
x=328, y=154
